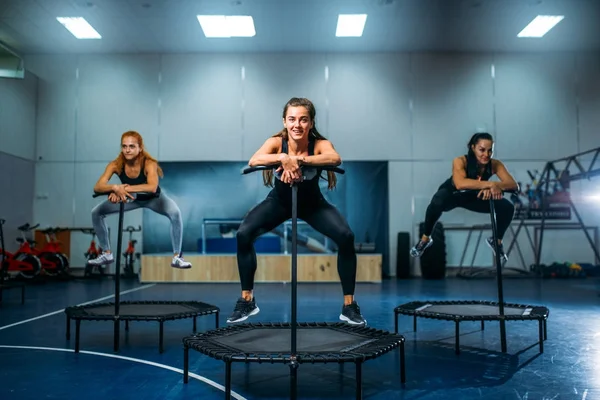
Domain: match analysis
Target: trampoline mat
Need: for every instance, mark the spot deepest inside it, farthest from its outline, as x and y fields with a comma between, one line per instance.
x=308, y=340
x=142, y=310
x=473, y=309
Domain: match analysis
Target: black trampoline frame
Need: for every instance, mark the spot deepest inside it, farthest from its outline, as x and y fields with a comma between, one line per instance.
x=501, y=317
x=204, y=343
x=78, y=313
x=384, y=343
x=538, y=313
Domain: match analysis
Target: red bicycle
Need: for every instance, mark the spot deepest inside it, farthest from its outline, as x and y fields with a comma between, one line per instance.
x=23, y=262
x=51, y=263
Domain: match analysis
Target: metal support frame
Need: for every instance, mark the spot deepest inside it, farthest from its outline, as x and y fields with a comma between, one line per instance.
x=562, y=179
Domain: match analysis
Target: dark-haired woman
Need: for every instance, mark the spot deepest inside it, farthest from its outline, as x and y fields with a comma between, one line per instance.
x=297, y=145
x=472, y=171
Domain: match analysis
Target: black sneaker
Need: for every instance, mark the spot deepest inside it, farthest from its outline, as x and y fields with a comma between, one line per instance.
x=420, y=247
x=351, y=314
x=243, y=309
x=490, y=243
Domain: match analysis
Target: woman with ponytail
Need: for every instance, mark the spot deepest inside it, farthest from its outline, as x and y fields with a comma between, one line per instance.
x=138, y=172
x=472, y=171
x=297, y=145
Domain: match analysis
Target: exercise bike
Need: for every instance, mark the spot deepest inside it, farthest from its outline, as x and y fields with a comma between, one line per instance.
x=130, y=253
x=51, y=251
x=23, y=262
x=51, y=264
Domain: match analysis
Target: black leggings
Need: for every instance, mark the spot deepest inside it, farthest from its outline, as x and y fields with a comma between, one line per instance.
x=445, y=200
x=322, y=216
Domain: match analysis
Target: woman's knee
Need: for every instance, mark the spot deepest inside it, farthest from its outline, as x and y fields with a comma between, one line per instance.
x=97, y=211
x=345, y=239
x=440, y=200
x=244, y=236
x=505, y=210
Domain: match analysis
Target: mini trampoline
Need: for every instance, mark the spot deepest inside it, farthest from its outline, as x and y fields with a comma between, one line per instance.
x=294, y=343
x=459, y=311
x=159, y=311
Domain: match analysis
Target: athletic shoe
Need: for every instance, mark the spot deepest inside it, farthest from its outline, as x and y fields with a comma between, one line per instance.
x=420, y=247
x=179, y=262
x=243, y=309
x=490, y=243
x=102, y=259
x=351, y=314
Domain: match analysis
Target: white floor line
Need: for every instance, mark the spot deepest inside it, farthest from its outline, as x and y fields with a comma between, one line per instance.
x=167, y=367
x=82, y=304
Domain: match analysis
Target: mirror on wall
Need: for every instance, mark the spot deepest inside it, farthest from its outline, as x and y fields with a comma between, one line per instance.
x=11, y=65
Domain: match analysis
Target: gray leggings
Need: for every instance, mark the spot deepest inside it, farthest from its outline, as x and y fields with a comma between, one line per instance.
x=162, y=205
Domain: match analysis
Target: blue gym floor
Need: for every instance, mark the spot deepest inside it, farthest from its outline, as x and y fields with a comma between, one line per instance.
x=37, y=362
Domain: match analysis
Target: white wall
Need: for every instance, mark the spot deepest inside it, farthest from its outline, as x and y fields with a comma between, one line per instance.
x=17, y=151
x=17, y=116
x=416, y=111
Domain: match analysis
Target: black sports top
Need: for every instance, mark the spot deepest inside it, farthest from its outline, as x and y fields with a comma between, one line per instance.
x=472, y=172
x=308, y=189
x=141, y=179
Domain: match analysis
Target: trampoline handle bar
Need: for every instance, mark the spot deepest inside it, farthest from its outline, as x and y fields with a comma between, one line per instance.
x=248, y=170
x=511, y=191
x=148, y=194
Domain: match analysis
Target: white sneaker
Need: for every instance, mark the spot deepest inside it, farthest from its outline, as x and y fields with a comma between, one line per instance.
x=179, y=262
x=102, y=259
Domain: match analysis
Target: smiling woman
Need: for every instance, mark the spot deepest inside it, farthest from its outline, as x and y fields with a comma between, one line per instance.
x=472, y=171
x=138, y=172
x=297, y=145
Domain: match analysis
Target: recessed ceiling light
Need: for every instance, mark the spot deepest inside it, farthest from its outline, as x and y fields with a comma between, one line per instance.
x=540, y=26
x=350, y=25
x=79, y=27
x=227, y=26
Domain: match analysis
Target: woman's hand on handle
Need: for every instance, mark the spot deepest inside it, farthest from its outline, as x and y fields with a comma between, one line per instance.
x=493, y=192
x=291, y=169
x=121, y=193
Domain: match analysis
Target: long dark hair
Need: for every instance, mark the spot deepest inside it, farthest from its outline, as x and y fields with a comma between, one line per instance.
x=471, y=159
x=314, y=135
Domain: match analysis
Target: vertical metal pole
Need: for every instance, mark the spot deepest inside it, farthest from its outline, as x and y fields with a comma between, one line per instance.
x=293, y=362
x=498, y=277
x=118, y=276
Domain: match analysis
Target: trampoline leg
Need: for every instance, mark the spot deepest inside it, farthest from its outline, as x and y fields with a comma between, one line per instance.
x=68, y=328
x=482, y=326
x=396, y=323
x=457, y=338
x=228, y=380
x=414, y=323
x=503, y=335
x=217, y=320
x=541, y=327
x=116, y=335
x=194, y=327
x=293, y=380
x=545, y=331
x=160, y=336
x=77, y=331
x=127, y=325
x=402, y=364
x=186, y=362
x=358, y=380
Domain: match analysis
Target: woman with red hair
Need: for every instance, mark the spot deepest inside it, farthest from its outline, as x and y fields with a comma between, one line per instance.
x=138, y=172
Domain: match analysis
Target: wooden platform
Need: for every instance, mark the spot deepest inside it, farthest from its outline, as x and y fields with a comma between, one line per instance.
x=271, y=268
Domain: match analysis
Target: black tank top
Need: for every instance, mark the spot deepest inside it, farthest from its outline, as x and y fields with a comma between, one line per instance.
x=472, y=172
x=141, y=179
x=308, y=190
